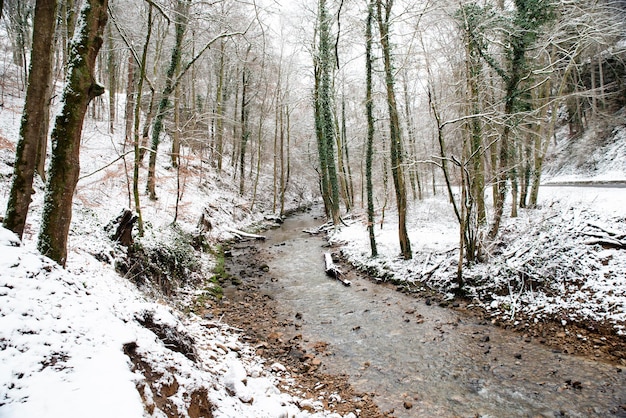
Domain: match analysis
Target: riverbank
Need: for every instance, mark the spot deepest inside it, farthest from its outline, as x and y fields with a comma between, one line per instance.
x=247, y=305
x=553, y=274
x=406, y=353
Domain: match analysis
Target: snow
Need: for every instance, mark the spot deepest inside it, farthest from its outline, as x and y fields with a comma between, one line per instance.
x=61, y=342
x=63, y=331
x=71, y=340
x=65, y=334
x=543, y=265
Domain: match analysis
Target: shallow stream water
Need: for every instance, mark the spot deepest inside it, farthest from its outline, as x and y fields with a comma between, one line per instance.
x=439, y=362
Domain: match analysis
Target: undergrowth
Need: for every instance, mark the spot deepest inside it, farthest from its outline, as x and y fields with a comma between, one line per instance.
x=169, y=262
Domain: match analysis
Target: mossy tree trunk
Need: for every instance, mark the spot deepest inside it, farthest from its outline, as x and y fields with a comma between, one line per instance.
x=324, y=119
x=529, y=17
x=395, y=137
x=81, y=87
x=181, y=26
x=33, y=129
x=369, y=112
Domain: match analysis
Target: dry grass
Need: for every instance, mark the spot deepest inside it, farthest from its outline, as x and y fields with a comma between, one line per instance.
x=6, y=144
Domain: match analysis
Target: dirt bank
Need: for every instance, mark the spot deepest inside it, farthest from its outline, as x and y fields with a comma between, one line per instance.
x=247, y=305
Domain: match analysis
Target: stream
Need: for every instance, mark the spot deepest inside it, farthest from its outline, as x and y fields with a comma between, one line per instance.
x=423, y=360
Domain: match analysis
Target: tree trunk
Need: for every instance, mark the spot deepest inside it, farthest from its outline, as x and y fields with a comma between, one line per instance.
x=33, y=129
x=145, y=132
x=181, y=26
x=394, y=129
x=369, y=113
x=81, y=88
x=245, y=131
x=219, y=99
x=284, y=137
x=324, y=118
x=344, y=160
x=112, y=67
x=175, y=155
x=137, y=115
x=321, y=144
x=346, y=153
x=131, y=83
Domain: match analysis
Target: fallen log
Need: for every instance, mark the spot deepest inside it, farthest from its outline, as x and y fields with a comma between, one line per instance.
x=242, y=234
x=333, y=270
x=607, y=243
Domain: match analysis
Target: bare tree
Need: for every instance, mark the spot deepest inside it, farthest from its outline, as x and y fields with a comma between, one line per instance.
x=369, y=106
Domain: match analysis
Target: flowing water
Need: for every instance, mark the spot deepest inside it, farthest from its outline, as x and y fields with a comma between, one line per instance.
x=442, y=362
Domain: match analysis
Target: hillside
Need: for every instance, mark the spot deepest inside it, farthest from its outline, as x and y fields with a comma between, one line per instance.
x=130, y=330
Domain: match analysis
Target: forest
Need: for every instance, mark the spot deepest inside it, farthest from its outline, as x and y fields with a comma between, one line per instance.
x=435, y=137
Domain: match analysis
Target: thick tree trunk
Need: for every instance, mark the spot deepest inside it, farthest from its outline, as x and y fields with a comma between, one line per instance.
x=80, y=89
x=33, y=130
x=324, y=117
x=321, y=145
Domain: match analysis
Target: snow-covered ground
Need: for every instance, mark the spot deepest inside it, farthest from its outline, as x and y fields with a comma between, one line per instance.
x=84, y=341
x=545, y=264
x=72, y=340
x=65, y=334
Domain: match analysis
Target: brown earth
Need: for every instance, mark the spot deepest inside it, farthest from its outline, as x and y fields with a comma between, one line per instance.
x=248, y=307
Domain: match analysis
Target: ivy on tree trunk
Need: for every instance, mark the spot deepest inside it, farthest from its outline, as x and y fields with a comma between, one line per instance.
x=34, y=119
x=81, y=87
x=369, y=111
x=383, y=17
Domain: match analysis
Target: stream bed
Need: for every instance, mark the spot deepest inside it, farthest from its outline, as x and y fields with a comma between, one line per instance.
x=422, y=360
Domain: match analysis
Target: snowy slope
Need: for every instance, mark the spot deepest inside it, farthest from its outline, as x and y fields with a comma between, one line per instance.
x=84, y=341
x=64, y=335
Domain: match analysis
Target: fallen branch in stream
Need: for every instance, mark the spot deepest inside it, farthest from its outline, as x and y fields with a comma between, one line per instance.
x=242, y=235
x=333, y=270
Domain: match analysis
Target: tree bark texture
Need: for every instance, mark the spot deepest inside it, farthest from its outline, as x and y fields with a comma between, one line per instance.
x=34, y=122
x=181, y=27
x=136, y=115
x=81, y=87
x=369, y=112
x=394, y=129
x=245, y=129
x=324, y=117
